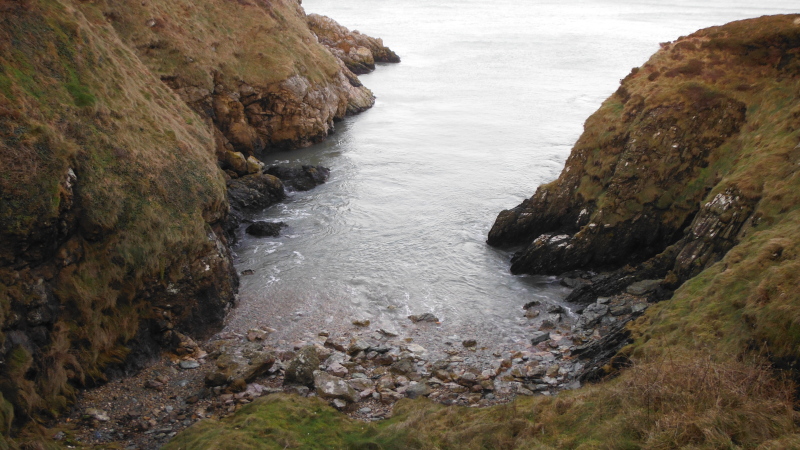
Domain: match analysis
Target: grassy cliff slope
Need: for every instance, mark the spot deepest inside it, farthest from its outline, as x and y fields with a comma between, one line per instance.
x=688, y=172
x=109, y=198
x=116, y=119
x=253, y=68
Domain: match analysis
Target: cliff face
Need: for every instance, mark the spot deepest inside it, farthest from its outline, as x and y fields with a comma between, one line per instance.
x=359, y=52
x=694, y=155
x=115, y=121
x=254, y=69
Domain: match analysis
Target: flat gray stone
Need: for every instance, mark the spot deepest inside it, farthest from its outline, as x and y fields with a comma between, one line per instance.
x=621, y=310
x=539, y=337
x=331, y=388
x=188, y=364
x=642, y=287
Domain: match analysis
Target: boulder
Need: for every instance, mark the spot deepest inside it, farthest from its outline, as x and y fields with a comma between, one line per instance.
x=425, y=317
x=258, y=363
x=418, y=390
x=361, y=384
x=404, y=366
x=264, y=229
x=302, y=367
x=358, y=345
x=539, y=337
x=247, y=364
x=256, y=191
x=330, y=387
x=591, y=315
x=337, y=370
x=237, y=162
x=254, y=165
x=301, y=178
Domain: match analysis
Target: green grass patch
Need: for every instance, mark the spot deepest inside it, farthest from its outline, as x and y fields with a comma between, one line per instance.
x=282, y=421
x=678, y=400
x=80, y=94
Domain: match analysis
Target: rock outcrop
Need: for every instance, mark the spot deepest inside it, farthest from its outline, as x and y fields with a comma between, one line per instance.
x=624, y=199
x=301, y=178
x=359, y=52
x=649, y=176
x=687, y=160
x=253, y=69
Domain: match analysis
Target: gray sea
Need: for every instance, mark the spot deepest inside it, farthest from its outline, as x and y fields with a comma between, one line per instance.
x=485, y=106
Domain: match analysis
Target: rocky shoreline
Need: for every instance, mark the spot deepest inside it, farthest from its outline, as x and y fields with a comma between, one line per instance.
x=358, y=369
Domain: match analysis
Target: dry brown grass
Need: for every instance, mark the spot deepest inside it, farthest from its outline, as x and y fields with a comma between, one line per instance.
x=252, y=41
x=684, y=402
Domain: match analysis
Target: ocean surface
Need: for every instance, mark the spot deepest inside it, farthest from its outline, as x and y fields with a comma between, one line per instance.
x=486, y=104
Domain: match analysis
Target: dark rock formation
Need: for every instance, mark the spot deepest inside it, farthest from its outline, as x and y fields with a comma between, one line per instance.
x=265, y=229
x=301, y=178
x=634, y=195
x=609, y=207
x=255, y=192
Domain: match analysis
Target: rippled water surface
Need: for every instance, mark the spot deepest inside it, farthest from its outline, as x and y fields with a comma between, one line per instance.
x=485, y=106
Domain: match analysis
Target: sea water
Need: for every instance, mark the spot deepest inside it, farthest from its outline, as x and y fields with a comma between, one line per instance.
x=486, y=104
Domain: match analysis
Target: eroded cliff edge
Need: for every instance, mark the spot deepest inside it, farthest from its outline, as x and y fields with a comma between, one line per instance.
x=120, y=125
x=688, y=172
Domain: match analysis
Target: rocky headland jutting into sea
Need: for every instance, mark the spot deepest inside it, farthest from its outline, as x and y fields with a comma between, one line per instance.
x=664, y=181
